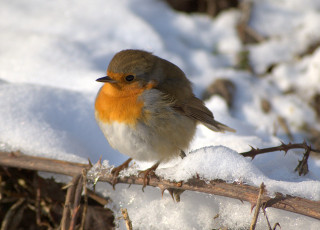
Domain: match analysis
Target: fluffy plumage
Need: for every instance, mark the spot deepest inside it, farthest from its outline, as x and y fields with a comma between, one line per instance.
x=147, y=110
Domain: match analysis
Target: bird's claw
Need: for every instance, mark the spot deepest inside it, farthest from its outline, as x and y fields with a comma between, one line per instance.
x=116, y=171
x=146, y=173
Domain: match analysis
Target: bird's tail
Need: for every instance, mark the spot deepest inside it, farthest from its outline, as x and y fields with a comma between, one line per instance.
x=219, y=127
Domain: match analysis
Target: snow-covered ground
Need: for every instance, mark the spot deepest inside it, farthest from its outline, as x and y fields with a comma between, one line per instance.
x=51, y=52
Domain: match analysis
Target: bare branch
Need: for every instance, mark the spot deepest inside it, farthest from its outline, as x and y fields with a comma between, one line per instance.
x=68, y=206
x=216, y=187
x=302, y=167
x=85, y=207
x=258, y=206
x=19, y=160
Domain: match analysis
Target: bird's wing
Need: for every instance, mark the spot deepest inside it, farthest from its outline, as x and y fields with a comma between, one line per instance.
x=195, y=109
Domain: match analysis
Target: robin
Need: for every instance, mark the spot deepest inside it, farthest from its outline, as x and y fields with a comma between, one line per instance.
x=147, y=110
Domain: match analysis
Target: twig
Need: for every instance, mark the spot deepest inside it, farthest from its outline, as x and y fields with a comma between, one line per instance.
x=238, y=191
x=268, y=222
x=38, y=200
x=257, y=210
x=1, y=195
x=85, y=207
x=74, y=215
x=76, y=203
x=126, y=218
x=37, y=204
x=283, y=147
x=246, y=33
x=216, y=187
x=302, y=167
x=275, y=226
x=19, y=160
x=65, y=221
x=101, y=200
x=11, y=218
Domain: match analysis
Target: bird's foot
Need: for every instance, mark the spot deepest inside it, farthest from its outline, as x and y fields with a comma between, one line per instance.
x=147, y=173
x=115, y=171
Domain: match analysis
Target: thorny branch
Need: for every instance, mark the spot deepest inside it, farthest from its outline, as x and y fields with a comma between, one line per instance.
x=239, y=191
x=302, y=167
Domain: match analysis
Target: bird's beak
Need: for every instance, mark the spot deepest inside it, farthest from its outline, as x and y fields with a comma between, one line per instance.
x=106, y=79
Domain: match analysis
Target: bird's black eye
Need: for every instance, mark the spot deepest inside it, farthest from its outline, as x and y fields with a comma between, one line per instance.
x=129, y=78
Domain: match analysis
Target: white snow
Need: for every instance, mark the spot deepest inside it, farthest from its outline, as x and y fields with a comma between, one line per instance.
x=52, y=52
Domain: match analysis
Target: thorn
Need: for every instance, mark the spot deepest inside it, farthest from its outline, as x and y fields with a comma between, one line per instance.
x=162, y=191
x=170, y=190
x=114, y=182
x=90, y=163
x=197, y=175
x=253, y=149
x=179, y=184
x=175, y=194
x=99, y=161
x=252, y=207
x=13, y=154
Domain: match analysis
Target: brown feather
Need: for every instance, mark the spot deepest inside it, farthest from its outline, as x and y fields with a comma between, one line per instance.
x=178, y=87
x=196, y=110
x=170, y=80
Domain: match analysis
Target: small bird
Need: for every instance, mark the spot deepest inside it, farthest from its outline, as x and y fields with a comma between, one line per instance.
x=147, y=110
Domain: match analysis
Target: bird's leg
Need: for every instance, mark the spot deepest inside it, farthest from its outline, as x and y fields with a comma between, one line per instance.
x=148, y=172
x=115, y=171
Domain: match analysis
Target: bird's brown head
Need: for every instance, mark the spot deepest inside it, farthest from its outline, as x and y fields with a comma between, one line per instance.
x=130, y=69
x=136, y=70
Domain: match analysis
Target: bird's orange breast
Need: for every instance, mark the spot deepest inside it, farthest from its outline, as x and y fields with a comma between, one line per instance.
x=115, y=104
